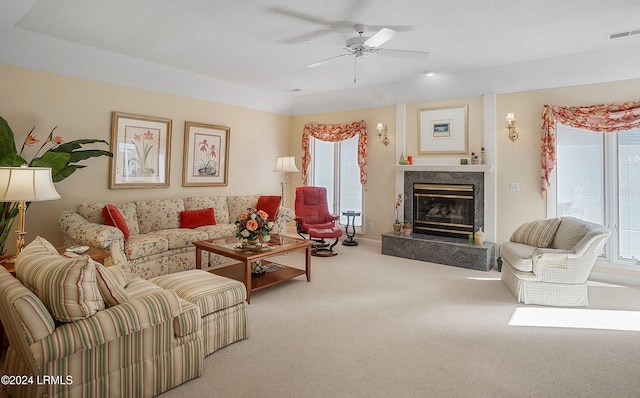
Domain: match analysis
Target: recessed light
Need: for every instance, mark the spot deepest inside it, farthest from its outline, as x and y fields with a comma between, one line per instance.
x=430, y=73
x=294, y=90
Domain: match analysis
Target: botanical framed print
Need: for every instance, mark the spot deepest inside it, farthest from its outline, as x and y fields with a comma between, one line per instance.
x=141, y=147
x=206, y=155
x=443, y=130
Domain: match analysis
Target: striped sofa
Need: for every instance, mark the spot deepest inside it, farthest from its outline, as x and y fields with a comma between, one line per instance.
x=156, y=244
x=80, y=329
x=547, y=262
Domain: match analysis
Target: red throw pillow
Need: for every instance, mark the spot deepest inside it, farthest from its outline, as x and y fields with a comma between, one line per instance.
x=197, y=218
x=270, y=205
x=112, y=216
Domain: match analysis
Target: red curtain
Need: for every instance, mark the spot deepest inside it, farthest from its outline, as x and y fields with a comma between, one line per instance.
x=605, y=118
x=335, y=133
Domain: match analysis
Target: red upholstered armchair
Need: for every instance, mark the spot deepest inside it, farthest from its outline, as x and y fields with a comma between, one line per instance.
x=312, y=210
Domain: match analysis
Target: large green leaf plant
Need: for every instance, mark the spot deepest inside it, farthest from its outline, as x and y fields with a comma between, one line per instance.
x=62, y=157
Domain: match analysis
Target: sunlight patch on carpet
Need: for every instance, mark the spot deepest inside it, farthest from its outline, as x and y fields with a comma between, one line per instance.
x=576, y=318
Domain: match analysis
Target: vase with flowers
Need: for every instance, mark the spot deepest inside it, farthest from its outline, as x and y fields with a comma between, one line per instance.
x=397, y=225
x=253, y=226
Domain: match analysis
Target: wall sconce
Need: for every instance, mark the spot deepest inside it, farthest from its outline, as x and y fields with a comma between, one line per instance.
x=382, y=134
x=511, y=126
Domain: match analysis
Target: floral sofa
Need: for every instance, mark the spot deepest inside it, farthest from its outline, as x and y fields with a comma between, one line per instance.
x=79, y=329
x=156, y=244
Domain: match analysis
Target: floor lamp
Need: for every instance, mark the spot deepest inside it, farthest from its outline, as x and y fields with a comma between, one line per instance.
x=25, y=184
x=286, y=165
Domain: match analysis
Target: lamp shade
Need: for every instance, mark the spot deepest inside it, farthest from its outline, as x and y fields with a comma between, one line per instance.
x=28, y=184
x=286, y=164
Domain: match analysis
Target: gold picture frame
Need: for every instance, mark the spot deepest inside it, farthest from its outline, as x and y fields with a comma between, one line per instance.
x=443, y=130
x=206, y=155
x=141, y=147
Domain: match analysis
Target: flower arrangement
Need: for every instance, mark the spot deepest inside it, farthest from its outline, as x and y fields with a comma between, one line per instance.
x=253, y=225
x=399, y=210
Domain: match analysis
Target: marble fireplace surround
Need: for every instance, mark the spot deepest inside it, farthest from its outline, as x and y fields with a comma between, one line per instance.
x=444, y=250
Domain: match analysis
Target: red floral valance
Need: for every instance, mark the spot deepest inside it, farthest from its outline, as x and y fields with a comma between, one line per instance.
x=335, y=133
x=605, y=118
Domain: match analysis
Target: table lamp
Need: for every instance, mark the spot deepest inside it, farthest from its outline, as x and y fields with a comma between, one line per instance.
x=286, y=165
x=25, y=184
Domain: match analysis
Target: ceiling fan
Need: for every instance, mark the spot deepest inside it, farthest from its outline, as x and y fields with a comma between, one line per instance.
x=365, y=46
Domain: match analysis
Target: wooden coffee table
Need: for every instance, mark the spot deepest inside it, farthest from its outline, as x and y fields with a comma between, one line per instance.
x=242, y=271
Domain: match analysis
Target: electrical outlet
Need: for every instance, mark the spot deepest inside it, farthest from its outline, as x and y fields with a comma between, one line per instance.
x=370, y=226
x=514, y=186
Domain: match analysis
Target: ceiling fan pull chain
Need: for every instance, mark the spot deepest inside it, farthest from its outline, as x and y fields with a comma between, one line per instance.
x=355, y=69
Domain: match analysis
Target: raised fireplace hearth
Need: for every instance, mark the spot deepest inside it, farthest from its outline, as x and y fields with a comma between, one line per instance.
x=445, y=208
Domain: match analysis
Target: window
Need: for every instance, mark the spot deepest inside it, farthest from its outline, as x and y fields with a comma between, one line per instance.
x=334, y=165
x=598, y=180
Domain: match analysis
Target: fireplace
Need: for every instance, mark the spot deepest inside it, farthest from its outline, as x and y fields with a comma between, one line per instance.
x=443, y=209
x=463, y=220
x=459, y=197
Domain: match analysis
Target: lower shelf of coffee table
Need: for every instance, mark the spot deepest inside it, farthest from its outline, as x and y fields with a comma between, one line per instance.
x=258, y=281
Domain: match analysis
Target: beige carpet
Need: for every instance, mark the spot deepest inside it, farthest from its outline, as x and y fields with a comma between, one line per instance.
x=370, y=325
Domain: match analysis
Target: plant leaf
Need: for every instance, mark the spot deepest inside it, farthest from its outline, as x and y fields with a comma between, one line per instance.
x=77, y=156
x=75, y=144
x=57, y=162
x=12, y=160
x=7, y=142
x=66, y=172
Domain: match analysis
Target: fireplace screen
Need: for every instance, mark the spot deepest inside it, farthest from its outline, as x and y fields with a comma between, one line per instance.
x=443, y=209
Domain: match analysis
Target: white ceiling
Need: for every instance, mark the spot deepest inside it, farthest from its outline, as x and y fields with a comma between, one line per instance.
x=254, y=52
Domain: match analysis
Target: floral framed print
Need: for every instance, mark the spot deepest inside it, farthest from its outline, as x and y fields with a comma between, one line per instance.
x=206, y=155
x=443, y=130
x=141, y=147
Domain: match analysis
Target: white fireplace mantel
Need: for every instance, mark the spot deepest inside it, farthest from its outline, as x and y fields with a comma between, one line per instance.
x=445, y=167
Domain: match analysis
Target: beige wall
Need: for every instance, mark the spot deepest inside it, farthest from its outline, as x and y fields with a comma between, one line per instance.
x=520, y=161
x=82, y=109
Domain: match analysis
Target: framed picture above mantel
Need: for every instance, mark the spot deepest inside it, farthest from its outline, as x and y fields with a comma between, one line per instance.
x=141, y=147
x=206, y=155
x=443, y=130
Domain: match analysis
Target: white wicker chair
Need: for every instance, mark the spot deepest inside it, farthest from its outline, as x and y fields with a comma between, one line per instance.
x=556, y=275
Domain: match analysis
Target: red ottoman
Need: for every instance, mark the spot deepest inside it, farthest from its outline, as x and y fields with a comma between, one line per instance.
x=322, y=248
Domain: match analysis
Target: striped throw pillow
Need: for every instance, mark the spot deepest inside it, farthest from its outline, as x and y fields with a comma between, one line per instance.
x=538, y=233
x=111, y=291
x=66, y=286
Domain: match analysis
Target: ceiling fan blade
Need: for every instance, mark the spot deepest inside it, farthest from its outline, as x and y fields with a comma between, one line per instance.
x=380, y=37
x=316, y=64
x=387, y=52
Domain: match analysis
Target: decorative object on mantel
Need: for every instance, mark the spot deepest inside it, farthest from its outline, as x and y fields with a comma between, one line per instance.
x=511, y=126
x=483, y=156
x=478, y=237
x=402, y=160
x=443, y=130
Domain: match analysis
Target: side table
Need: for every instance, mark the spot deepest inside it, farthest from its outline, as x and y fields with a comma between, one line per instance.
x=98, y=255
x=351, y=220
